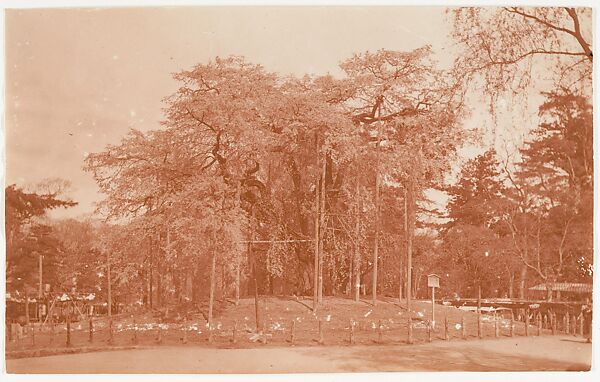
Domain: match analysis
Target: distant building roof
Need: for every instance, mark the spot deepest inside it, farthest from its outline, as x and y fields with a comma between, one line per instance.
x=565, y=287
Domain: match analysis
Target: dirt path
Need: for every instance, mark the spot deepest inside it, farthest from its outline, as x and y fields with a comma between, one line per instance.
x=518, y=354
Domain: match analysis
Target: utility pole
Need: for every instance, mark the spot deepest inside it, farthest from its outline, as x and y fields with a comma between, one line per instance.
x=357, y=243
x=150, y=297
x=213, y=267
x=253, y=259
x=317, y=232
x=109, y=284
x=238, y=262
x=40, y=267
x=409, y=241
x=377, y=207
x=322, y=227
x=402, y=269
x=479, y=297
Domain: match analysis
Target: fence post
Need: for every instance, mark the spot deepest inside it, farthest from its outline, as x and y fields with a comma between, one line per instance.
x=527, y=323
x=553, y=323
x=184, y=338
x=135, y=339
x=545, y=322
x=581, y=325
x=479, y=331
x=210, y=334
x=539, y=324
x=351, y=332
x=293, y=333
x=159, y=334
x=53, y=332
x=379, y=332
x=446, y=334
x=463, y=327
x=568, y=323
x=410, y=334
x=32, y=334
x=321, y=337
x=264, y=331
x=429, y=336
x=234, y=333
x=91, y=330
x=9, y=333
x=511, y=332
x=17, y=338
x=110, y=332
x=68, y=329
x=496, y=326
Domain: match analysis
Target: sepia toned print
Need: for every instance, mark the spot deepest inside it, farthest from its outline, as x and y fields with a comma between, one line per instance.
x=298, y=189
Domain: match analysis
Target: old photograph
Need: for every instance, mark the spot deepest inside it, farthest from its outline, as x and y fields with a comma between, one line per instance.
x=277, y=189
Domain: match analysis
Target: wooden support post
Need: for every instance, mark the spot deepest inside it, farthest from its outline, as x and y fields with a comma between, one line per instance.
x=159, y=335
x=321, y=337
x=184, y=338
x=410, y=329
x=264, y=333
x=52, y=332
x=567, y=324
x=538, y=319
x=511, y=332
x=581, y=319
x=496, y=326
x=351, y=332
x=429, y=332
x=463, y=324
x=135, y=338
x=91, y=330
x=33, y=335
x=545, y=322
x=379, y=332
x=293, y=333
x=110, y=332
x=446, y=332
x=553, y=323
x=26, y=308
x=479, y=331
x=526, y=323
x=234, y=333
x=574, y=329
x=68, y=329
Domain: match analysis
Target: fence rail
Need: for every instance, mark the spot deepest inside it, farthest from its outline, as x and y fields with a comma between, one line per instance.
x=111, y=332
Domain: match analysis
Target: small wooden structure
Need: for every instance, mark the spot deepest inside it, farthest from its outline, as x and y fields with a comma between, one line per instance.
x=566, y=291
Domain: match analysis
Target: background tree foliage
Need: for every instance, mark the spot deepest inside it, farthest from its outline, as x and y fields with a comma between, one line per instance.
x=247, y=155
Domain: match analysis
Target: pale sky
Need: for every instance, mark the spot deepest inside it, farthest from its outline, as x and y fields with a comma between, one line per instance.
x=78, y=79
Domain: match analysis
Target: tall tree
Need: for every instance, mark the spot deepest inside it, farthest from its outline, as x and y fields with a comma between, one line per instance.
x=29, y=238
x=418, y=109
x=553, y=185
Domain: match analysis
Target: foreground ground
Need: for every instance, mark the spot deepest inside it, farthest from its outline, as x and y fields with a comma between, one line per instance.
x=505, y=354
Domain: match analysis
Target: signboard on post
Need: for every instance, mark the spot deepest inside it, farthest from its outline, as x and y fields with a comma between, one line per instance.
x=433, y=281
